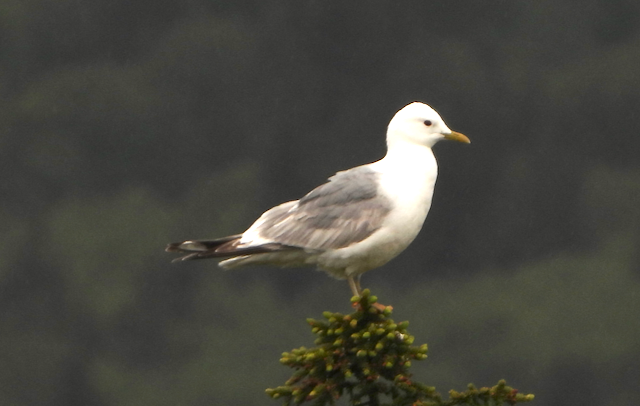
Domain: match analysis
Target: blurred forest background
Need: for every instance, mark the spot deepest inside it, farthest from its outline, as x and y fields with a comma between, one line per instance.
x=126, y=125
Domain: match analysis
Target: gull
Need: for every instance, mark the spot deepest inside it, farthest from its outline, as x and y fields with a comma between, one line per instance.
x=358, y=220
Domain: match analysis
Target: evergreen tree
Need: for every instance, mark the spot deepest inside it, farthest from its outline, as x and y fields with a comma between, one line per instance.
x=365, y=356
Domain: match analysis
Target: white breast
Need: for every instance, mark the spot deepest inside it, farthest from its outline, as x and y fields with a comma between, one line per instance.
x=409, y=182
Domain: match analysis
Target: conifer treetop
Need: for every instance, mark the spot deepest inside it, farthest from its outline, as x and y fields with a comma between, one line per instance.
x=365, y=356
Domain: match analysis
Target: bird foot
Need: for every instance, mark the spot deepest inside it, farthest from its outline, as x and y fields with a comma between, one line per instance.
x=378, y=306
x=381, y=307
x=365, y=301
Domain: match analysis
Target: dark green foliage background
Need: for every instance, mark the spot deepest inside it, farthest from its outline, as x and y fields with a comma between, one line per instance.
x=127, y=125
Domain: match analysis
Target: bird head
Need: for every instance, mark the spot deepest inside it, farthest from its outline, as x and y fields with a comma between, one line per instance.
x=417, y=123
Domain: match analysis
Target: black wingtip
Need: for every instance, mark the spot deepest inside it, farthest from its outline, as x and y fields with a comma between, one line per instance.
x=195, y=255
x=173, y=247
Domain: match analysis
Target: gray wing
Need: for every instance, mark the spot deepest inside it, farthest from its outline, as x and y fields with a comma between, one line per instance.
x=345, y=210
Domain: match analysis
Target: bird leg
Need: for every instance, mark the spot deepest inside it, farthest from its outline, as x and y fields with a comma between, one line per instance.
x=358, y=283
x=356, y=289
x=354, y=284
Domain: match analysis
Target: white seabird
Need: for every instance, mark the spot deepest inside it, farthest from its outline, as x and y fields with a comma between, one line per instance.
x=359, y=220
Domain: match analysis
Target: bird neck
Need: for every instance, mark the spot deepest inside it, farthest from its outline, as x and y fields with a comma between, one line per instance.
x=401, y=153
x=409, y=162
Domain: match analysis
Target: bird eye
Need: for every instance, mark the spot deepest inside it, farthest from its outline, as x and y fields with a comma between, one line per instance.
x=427, y=123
